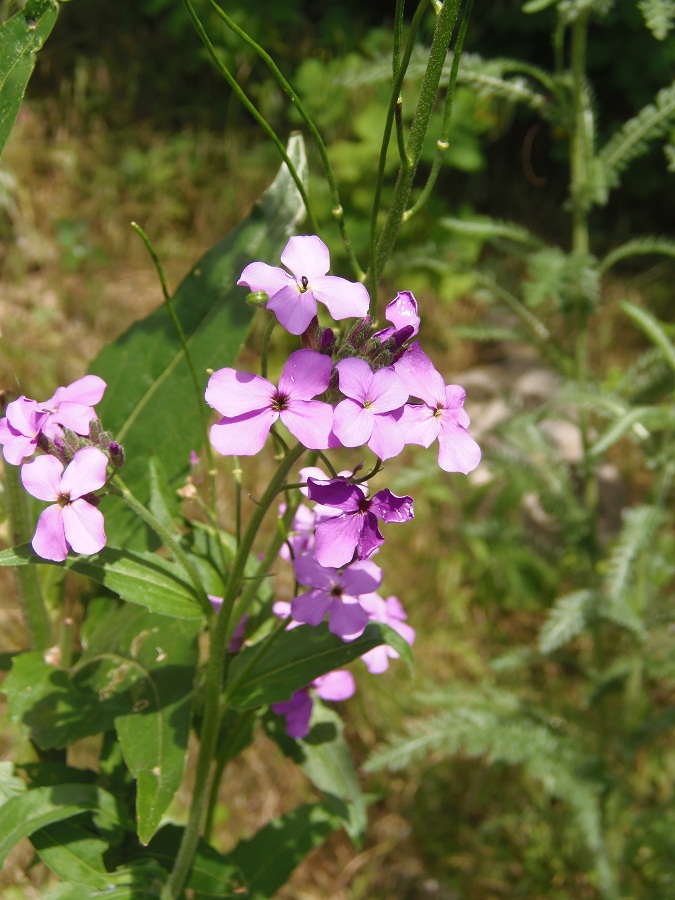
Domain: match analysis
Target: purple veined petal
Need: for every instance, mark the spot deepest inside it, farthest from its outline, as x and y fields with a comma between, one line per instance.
x=310, y=573
x=387, y=392
x=337, y=493
x=306, y=254
x=42, y=478
x=370, y=539
x=86, y=473
x=84, y=527
x=311, y=472
x=74, y=416
x=355, y=378
x=455, y=395
x=258, y=276
x=335, y=686
x=392, y=508
x=457, y=450
x=336, y=539
x=86, y=391
x=310, y=421
x=306, y=374
x=234, y=393
x=243, y=435
x=293, y=308
x=347, y=618
x=343, y=299
x=419, y=424
x=402, y=311
x=311, y=608
x=49, y=540
x=361, y=577
x=388, y=438
x=352, y=424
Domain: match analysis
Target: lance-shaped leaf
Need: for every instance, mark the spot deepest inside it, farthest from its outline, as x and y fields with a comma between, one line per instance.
x=271, y=670
x=142, y=881
x=72, y=853
x=151, y=404
x=24, y=814
x=20, y=39
x=142, y=578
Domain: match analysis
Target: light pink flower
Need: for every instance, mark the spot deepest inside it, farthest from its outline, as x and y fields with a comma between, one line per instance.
x=72, y=406
x=391, y=612
x=293, y=298
x=71, y=521
x=20, y=429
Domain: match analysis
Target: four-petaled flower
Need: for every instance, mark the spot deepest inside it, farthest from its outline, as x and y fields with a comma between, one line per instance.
x=333, y=686
x=440, y=416
x=335, y=593
x=374, y=402
x=20, y=429
x=293, y=298
x=250, y=405
x=72, y=521
x=391, y=612
x=355, y=525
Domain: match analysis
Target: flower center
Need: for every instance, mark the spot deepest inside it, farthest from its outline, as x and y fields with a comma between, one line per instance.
x=280, y=402
x=63, y=500
x=438, y=412
x=336, y=591
x=304, y=284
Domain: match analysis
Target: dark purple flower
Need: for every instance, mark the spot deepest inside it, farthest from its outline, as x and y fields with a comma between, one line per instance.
x=333, y=686
x=355, y=525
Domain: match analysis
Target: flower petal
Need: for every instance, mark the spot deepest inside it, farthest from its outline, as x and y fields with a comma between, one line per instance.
x=370, y=539
x=293, y=308
x=355, y=378
x=310, y=421
x=387, y=439
x=42, y=478
x=83, y=525
x=306, y=254
x=419, y=375
x=258, y=276
x=49, y=541
x=86, y=391
x=392, y=508
x=336, y=539
x=362, y=577
x=234, y=393
x=337, y=493
x=419, y=424
x=306, y=374
x=311, y=608
x=402, y=311
x=343, y=299
x=243, y=435
x=309, y=572
x=387, y=392
x=457, y=450
x=335, y=686
x=347, y=618
x=86, y=473
x=352, y=424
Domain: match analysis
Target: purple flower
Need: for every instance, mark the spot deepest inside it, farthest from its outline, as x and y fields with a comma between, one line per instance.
x=72, y=406
x=391, y=612
x=20, y=429
x=72, y=520
x=293, y=298
x=333, y=686
x=250, y=405
x=374, y=402
x=440, y=416
x=402, y=313
x=334, y=593
x=355, y=526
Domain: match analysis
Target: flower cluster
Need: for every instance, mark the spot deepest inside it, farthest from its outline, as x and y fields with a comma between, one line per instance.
x=73, y=464
x=364, y=388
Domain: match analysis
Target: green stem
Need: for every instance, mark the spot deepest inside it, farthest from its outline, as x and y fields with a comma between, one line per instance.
x=445, y=25
x=260, y=119
x=119, y=489
x=442, y=144
x=287, y=88
x=215, y=668
x=35, y=612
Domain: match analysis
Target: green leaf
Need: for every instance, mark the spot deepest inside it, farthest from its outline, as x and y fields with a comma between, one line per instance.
x=212, y=875
x=325, y=758
x=142, y=578
x=140, y=881
x=640, y=420
x=72, y=853
x=270, y=856
x=10, y=784
x=568, y=618
x=653, y=329
x=24, y=814
x=271, y=670
x=20, y=39
x=150, y=404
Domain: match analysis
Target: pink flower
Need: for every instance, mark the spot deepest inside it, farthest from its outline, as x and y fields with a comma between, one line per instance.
x=20, y=429
x=250, y=405
x=72, y=521
x=72, y=406
x=391, y=612
x=374, y=403
x=440, y=416
x=293, y=298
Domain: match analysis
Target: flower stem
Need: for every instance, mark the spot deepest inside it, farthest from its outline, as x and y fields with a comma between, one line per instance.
x=35, y=612
x=215, y=668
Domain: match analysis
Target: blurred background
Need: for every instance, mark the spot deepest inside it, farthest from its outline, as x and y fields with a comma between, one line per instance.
x=518, y=761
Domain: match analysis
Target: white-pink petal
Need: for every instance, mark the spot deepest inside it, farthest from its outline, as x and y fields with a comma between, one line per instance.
x=355, y=378
x=86, y=391
x=49, y=541
x=305, y=375
x=387, y=439
x=387, y=392
x=84, y=527
x=343, y=299
x=258, y=276
x=234, y=393
x=335, y=686
x=310, y=421
x=457, y=450
x=243, y=435
x=86, y=473
x=306, y=254
x=352, y=423
x=293, y=308
x=42, y=478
